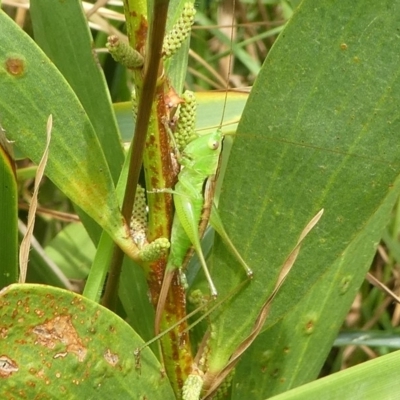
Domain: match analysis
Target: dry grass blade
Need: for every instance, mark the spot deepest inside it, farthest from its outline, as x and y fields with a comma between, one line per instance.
x=36, y=246
x=98, y=4
x=26, y=241
x=288, y=264
x=371, y=279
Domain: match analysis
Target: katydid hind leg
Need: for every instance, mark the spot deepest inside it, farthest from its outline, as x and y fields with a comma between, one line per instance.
x=200, y=254
x=216, y=223
x=186, y=210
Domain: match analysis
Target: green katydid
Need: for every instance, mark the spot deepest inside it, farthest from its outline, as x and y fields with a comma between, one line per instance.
x=194, y=205
x=199, y=161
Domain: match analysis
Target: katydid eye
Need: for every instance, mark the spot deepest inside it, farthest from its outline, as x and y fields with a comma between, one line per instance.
x=213, y=144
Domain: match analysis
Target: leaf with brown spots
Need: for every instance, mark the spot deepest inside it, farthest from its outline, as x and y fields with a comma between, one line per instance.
x=55, y=343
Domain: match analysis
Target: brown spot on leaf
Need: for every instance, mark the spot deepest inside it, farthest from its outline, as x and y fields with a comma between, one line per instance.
x=111, y=358
x=31, y=384
x=15, y=66
x=60, y=330
x=310, y=326
x=7, y=366
x=3, y=332
x=39, y=313
x=60, y=355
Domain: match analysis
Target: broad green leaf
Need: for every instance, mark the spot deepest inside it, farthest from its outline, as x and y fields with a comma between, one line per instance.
x=55, y=343
x=31, y=89
x=8, y=214
x=61, y=30
x=292, y=351
x=319, y=131
x=64, y=23
x=375, y=379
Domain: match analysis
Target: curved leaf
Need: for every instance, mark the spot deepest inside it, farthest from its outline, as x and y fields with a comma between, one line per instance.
x=64, y=22
x=56, y=343
x=375, y=379
x=31, y=89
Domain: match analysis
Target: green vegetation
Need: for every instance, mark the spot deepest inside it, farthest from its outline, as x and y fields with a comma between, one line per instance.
x=317, y=131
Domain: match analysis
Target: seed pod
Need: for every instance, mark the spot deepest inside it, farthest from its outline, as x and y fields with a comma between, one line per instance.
x=139, y=218
x=123, y=53
x=185, y=125
x=154, y=250
x=180, y=31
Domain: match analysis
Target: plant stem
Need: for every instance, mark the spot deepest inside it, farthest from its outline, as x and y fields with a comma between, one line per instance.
x=151, y=72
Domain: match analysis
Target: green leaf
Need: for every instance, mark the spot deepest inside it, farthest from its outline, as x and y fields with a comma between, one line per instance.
x=210, y=107
x=57, y=343
x=319, y=131
x=375, y=379
x=8, y=215
x=72, y=251
x=64, y=23
x=293, y=350
x=41, y=268
x=250, y=63
x=387, y=339
x=133, y=293
x=31, y=88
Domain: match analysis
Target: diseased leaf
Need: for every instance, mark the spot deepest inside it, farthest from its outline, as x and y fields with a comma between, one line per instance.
x=65, y=22
x=56, y=343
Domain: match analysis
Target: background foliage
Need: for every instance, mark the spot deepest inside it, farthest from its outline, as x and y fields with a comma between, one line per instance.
x=318, y=131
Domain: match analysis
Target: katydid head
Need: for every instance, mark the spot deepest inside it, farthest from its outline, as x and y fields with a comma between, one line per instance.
x=204, y=146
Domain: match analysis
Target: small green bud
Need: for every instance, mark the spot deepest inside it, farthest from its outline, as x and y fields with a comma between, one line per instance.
x=183, y=279
x=154, y=250
x=123, y=53
x=198, y=298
